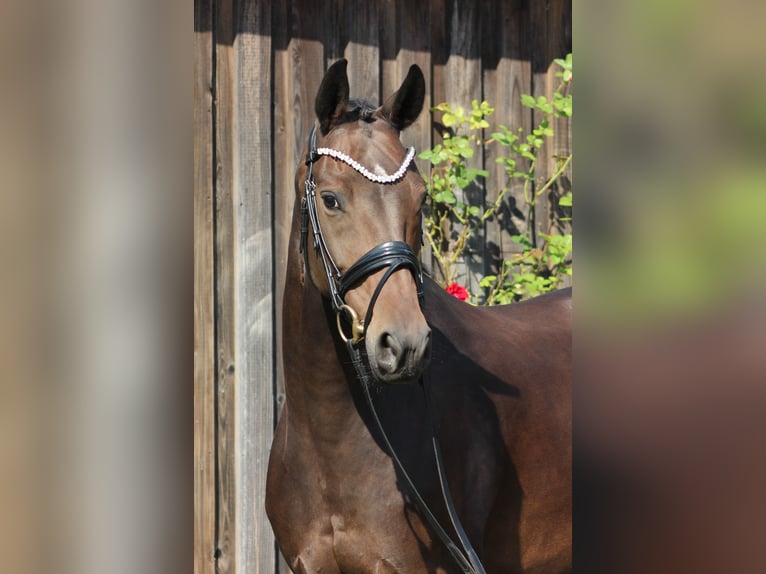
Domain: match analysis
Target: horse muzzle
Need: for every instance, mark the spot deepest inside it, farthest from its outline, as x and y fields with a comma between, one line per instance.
x=395, y=358
x=398, y=338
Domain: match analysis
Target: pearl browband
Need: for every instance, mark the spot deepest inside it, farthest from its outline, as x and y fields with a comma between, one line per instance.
x=396, y=176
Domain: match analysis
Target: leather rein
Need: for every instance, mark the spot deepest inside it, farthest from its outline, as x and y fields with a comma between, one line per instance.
x=392, y=255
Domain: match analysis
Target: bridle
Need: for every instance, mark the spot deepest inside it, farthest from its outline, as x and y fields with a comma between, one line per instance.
x=392, y=255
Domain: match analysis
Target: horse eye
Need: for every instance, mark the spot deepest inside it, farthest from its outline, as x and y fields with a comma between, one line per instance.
x=330, y=201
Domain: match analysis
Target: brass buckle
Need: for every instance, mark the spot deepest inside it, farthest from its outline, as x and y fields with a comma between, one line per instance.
x=357, y=326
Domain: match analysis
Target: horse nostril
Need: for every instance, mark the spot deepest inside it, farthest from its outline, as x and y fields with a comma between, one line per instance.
x=389, y=353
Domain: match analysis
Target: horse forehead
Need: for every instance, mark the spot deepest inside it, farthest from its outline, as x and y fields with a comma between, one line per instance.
x=376, y=147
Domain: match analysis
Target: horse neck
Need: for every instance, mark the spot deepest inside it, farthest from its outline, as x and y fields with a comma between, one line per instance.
x=316, y=384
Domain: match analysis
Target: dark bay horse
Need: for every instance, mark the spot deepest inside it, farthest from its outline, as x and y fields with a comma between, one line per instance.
x=500, y=378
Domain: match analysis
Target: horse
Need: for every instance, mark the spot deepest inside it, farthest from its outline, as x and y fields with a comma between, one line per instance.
x=499, y=393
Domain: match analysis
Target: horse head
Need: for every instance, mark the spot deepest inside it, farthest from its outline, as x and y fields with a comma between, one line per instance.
x=361, y=196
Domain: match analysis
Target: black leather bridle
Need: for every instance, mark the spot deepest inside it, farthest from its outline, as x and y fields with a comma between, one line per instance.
x=392, y=255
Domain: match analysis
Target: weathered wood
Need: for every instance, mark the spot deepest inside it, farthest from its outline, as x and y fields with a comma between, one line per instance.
x=412, y=22
x=225, y=279
x=252, y=200
x=540, y=87
x=389, y=71
x=560, y=38
x=330, y=27
x=204, y=331
x=547, y=24
x=362, y=51
x=506, y=76
x=458, y=81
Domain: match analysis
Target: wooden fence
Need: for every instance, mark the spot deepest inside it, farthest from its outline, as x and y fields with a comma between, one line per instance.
x=258, y=65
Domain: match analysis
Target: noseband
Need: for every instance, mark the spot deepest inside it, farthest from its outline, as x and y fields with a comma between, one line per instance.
x=392, y=254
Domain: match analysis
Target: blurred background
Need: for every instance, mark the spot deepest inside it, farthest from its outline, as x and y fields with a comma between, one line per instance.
x=96, y=293
x=96, y=296
x=670, y=386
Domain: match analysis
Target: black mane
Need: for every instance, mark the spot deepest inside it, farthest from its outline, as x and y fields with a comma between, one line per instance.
x=359, y=109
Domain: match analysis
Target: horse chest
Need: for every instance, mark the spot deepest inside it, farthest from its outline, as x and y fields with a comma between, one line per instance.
x=350, y=546
x=362, y=532
x=338, y=515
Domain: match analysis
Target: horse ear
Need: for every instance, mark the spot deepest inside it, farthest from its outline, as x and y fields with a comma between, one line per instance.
x=332, y=96
x=405, y=105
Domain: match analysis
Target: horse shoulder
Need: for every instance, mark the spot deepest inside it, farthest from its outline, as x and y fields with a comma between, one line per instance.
x=539, y=327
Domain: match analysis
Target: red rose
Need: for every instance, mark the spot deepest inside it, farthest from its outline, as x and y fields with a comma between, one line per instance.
x=457, y=291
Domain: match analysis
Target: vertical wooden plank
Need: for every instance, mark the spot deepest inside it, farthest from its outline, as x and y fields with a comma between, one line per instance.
x=462, y=70
x=245, y=321
x=550, y=21
x=362, y=49
x=540, y=87
x=204, y=329
x=439, y=54
x=390, y=43
x=457, y=81
x=253, y=216
x=414, y=47
x=225, y=265
x=506, y=75
x=495, y=28
x=330, y=27
x=562, y=142
x=548, y=33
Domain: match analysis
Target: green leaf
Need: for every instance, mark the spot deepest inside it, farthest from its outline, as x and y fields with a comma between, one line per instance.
x=504, y=137
x=483, y=109
x=445, y=196
x=522, y=240
x=527, y=100
x=566, y=200
x=487, y=281
x=466, y=153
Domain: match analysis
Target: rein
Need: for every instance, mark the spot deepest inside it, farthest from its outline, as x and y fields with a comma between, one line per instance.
x=394, y=255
